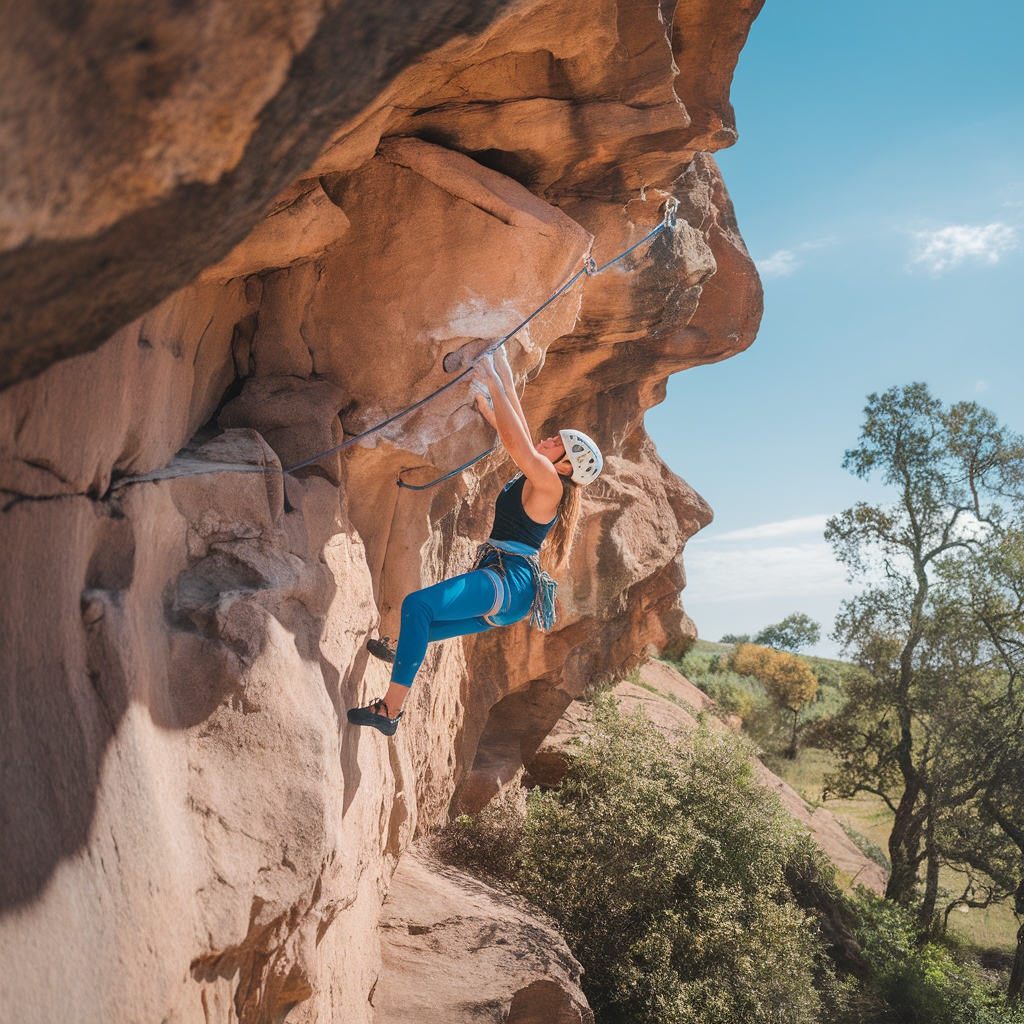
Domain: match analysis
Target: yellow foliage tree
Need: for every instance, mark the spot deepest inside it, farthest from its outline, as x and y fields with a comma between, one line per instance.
x=788, y=679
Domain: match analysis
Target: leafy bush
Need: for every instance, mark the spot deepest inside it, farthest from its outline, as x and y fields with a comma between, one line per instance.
x=699, y=663
x=664, y=866
x=739, y=695
x=764, y=721
x=922, y=982
x=678, y=883
x=488, y=844
x=831, y=678
x=733, y=693
x=829, y=673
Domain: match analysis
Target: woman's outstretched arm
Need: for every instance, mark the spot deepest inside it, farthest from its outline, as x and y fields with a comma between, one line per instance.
x=504, y=371
x=515, y=436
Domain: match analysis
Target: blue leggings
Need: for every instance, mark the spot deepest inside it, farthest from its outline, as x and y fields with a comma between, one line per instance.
x=457, y=607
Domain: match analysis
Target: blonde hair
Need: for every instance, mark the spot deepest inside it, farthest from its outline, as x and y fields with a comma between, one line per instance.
x=555, y=552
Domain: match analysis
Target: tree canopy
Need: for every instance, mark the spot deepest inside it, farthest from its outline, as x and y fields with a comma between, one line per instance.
x=930, y=723
x=789, y=680
x=793, y=633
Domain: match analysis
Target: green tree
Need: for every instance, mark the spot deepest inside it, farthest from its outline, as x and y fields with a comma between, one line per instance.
x=793, y=633
x=788, y=680
x=985, y=838
x=921, y=981
x=954, y=470
x=735, y=638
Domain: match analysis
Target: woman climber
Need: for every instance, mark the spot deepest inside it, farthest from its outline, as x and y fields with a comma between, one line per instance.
x=540, y=506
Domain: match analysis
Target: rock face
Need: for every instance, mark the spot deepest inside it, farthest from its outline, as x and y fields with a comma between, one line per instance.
x=235, y=234
x=454, y=949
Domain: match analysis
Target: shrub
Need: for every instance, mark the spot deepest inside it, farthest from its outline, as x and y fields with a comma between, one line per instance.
x=921, y=981
x=734, y=694
x=664, y=866
x=789, y=680
x=488, y=844
x=678, y=883
x=699, y=663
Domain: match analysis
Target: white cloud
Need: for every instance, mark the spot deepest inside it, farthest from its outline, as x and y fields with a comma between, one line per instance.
x=949, y=247
x=783, y=262
x=787, y=528
x=741, y=580
x=779, y=264
x=792, y=570
x=752, y=563
x=980, y=386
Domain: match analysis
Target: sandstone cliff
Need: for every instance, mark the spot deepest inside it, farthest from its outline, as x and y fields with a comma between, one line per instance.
x=233, y=235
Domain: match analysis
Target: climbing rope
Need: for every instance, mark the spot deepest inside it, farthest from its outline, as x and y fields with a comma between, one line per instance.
x=589, y=269
x=447, y=476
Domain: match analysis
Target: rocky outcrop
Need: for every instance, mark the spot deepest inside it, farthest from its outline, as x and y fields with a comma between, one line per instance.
x=142, y=144
x=454, y=949
x=234, y=236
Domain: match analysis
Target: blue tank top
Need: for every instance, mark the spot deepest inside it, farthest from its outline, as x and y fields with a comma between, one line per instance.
x=511, y=521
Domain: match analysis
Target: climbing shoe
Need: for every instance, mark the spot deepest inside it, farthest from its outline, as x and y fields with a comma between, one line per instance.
x=381, y=649
x=375, y=715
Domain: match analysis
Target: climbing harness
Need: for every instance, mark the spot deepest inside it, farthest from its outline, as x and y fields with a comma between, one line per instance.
x=543, y=611
x=589, y=269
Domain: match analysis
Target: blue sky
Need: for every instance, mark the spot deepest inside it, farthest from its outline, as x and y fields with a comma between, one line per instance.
x=879, y=184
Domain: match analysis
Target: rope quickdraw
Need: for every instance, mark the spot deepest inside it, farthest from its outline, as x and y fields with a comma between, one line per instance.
x=447, y=476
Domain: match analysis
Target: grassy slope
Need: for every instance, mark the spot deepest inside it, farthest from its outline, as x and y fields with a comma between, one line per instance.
x=993, y=928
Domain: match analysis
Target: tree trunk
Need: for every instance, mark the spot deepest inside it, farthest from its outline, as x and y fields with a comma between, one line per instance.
x=905, y=838
x=791, y=753
x=931, y=882
x=904, y=844
x=1016, y=988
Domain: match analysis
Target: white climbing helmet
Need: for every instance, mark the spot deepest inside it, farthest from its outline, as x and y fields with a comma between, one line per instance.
x=583, y=453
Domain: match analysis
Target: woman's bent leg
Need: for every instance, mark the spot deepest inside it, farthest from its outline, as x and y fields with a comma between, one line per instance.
x=439, y=630
x=449, y=608
x=445, y=629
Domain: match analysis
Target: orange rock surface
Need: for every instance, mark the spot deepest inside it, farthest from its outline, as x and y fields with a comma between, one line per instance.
x=455, y=949
x=233, y=235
